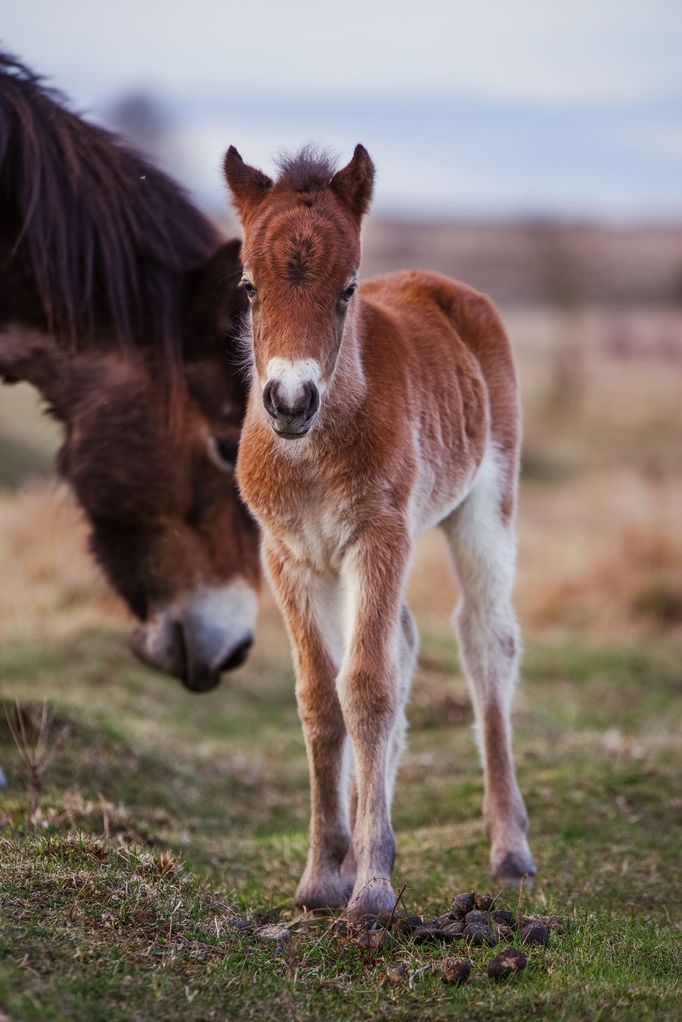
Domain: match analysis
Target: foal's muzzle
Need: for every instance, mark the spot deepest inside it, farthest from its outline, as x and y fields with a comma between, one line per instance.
x=291, y=418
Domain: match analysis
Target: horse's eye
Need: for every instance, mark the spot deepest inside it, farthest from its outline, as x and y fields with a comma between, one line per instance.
x=348, y=293
x=249, y=288
x=223, y=451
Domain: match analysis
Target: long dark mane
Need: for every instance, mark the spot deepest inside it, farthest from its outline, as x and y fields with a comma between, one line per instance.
x=107, y=239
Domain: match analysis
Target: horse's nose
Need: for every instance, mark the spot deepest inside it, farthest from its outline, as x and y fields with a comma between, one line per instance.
x=238, y=656
x=200, y=674
x=211, y=633
x=294, y=410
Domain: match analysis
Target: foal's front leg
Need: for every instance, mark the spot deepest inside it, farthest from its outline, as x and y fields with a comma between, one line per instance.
x=408, y=659
x=303, y=597
x=371, y=697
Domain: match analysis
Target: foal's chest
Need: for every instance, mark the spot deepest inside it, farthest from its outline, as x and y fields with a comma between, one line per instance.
x=296, y=506
x=317, y=535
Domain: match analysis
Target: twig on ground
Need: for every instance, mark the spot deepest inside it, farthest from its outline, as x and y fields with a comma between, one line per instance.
x=520, y=900
x=37, y=752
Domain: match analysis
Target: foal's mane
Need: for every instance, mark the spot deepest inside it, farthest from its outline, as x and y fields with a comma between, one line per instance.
x=307, y=170
x=109, y=238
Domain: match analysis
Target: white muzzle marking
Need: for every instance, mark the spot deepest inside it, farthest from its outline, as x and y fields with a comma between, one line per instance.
x=215, y=620
x=291, y=375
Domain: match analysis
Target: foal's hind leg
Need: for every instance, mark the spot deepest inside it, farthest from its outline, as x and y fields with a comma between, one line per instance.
x=483, y=546
x=409, y=647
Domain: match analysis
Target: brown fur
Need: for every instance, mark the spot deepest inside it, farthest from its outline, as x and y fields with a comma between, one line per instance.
x=115, y=292
x=416, y=423
x=105, y=239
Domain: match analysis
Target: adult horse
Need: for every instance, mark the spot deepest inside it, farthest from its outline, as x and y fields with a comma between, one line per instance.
x=380, y=411
x=118, y=301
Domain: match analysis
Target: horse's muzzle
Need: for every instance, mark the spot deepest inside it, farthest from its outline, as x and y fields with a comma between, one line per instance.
x=211, y=633
x=198, y=676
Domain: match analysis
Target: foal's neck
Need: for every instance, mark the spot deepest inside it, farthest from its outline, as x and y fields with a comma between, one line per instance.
x=348, y=386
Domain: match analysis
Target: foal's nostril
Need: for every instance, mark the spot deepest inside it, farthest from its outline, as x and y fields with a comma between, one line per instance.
x=301, y=409
x=269, y=398
x=311, y=400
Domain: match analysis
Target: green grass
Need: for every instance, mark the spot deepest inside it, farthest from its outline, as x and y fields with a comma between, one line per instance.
x=163, y=815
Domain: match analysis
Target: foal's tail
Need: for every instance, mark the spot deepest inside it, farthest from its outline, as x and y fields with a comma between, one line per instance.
x=108, y=238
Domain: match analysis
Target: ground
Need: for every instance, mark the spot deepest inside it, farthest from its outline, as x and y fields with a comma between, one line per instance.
x=166, y=816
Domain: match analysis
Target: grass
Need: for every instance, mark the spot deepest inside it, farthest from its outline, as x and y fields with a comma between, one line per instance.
x=165, y=815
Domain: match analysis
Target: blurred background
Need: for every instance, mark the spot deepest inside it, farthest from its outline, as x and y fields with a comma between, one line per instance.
x=533, y=150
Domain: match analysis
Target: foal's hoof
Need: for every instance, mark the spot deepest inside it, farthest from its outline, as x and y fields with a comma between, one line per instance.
x=371, y=898
x=330, y=892
x=513, y=869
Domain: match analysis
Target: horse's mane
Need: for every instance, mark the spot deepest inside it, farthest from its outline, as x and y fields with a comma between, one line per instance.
x=109, y=237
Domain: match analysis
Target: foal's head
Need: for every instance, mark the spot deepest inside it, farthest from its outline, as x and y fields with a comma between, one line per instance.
x=300, y=254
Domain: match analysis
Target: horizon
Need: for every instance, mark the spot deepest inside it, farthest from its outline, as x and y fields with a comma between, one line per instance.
x=512, y=112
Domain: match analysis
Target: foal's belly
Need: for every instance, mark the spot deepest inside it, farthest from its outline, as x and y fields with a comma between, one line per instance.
x=434, y=499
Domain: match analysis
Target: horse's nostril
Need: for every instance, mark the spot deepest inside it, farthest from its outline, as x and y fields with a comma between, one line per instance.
x=238, y=655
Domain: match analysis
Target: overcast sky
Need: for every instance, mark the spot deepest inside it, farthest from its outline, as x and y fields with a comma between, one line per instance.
x=504, y=106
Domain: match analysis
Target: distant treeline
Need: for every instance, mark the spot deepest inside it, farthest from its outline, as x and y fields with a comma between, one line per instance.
x=538, y=262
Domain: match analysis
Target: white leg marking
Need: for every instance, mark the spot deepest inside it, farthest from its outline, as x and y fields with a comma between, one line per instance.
x=484, y=552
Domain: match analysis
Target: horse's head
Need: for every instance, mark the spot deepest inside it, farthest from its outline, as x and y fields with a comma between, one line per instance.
x=300, y=254
x=167, y=524
x=102, y=253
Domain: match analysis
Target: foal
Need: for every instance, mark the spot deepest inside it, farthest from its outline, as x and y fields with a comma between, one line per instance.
x=374, y=414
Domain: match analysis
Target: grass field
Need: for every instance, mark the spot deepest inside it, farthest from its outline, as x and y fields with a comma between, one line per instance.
x=165, y=817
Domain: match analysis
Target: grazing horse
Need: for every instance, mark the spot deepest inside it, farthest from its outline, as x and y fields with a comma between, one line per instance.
x=378, y=412
x=119, y=303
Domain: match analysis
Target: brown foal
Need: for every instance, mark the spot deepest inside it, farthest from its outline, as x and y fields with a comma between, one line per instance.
x=374, y=414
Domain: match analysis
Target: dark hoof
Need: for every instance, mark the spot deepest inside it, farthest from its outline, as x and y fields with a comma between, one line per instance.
x=375, y=897
x=514, y=869
x=332, y=894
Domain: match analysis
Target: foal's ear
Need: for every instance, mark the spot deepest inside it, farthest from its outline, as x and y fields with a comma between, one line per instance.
x=247, y=184
x=354, y=183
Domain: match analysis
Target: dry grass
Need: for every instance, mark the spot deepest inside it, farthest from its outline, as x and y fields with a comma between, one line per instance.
x=50, y=586
x=600, y=544
x=101, y=919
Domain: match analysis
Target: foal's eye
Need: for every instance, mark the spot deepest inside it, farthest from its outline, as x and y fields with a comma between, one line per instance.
x=223, y=451
x=249, y=288
x=348, y=293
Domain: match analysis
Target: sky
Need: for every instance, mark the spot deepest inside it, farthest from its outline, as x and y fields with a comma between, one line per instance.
x=499, y=108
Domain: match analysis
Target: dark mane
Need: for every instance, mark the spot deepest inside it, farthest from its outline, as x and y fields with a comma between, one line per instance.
x=307, y=170
x=107, y=238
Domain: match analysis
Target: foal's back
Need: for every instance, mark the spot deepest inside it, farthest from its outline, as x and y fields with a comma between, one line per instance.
x=443, y=346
